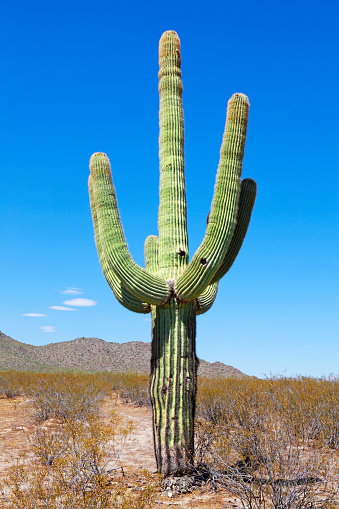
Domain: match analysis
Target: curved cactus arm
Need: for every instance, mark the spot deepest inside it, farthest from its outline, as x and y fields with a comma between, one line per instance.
x=122, y=295
x=248, y=192
x=152, y=254
x=246, y=203
x=207, y=259
x=172, y=217
x=140, y=283
x=205, y=301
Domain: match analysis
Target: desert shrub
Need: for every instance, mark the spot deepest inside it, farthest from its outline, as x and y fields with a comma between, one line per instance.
x=312, y=405
x=66, y=397
x=134, y=389
x=72, y=468
x=131, y=387
x=75, y=457
x=46, y=488
x=142, y=500
x=266, y=463
x=212, y=402
x=322, y=405
x=11, y=383
x=48, y=389
x=266, y=441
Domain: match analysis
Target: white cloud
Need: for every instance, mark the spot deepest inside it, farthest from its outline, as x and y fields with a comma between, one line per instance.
x=147, y=319
x=80, y=302
x=48, y=328
x=71, y=290
x=62, y=308
x=33, y=314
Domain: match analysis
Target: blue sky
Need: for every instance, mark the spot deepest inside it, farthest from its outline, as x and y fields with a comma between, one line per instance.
x=80, y=77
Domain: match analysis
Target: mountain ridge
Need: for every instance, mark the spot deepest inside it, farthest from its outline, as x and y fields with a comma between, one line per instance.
x=92, y=354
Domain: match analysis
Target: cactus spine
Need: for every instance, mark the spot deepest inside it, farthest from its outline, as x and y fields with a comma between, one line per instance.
x=173, y=289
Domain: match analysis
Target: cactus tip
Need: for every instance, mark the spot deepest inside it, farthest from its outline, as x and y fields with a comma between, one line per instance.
x=250, y=185
x=238, y=97
x=99, y=160
x=170, y=34
x=98, y=155
x=169, y=44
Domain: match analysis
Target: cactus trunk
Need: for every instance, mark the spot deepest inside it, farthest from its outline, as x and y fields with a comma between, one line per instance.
x=173, y=385
x=170, y=286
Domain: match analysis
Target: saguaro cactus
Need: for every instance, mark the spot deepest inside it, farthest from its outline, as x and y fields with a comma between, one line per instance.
x=173, y=289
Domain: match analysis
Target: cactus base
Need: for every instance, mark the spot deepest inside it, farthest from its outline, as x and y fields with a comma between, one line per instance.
x=173, y=385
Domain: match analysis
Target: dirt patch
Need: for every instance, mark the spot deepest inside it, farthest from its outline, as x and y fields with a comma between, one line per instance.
x=135, y=456
x=138, y=452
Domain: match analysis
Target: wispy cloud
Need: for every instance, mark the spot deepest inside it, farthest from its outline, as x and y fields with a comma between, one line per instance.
x=72, y=291
x=48, y=328
x=147, y=319
x=33, y=314
x=62, y=308
x=80, y=302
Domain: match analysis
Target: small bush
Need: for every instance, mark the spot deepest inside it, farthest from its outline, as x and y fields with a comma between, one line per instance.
x=10, y=384
x=65, y=397
x=134, y=388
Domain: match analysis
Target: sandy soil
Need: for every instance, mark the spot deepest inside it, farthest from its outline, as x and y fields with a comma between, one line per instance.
x=136, y=455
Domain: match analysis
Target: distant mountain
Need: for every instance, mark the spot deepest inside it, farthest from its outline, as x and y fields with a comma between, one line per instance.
x=91, y=354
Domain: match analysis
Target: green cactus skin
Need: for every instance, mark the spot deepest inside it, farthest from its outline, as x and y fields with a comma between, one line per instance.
x=173, y=289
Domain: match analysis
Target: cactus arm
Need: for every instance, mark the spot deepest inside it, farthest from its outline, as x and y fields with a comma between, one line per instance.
x=246, y=203
x=172, y=217
x=125, y=298
x=140, y=283
x=205, y=301
x=152, y=254
x=207, y=259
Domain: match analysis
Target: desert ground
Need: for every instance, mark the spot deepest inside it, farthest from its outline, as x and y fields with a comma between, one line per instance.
x=135, y=456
